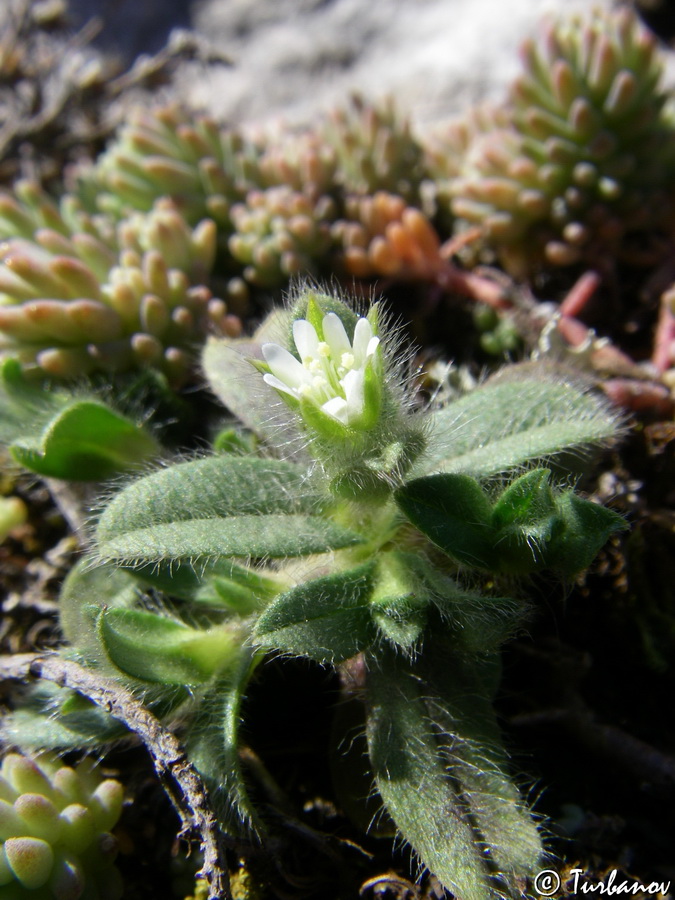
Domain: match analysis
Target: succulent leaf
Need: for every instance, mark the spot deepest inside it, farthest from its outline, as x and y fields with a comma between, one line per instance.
x=584, y=159
x=55, y=837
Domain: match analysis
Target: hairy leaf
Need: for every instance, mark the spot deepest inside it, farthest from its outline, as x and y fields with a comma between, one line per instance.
x=213, y=743
x=221, y=506
x=59, y=435
x=151, y=647
x=454, y=512
x=410, y=776
x=239, y=536
x=85, y=591
x=327, y=619
x=458, y=700
x=528, y=528
x=526, y=413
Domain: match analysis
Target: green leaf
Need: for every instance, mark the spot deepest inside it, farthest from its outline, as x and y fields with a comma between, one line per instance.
x=85, y=591
x=240, y=536
x=528, y=529
x=527, y=412
x=526, y=520
x=233, y=379
x=221, y=506
x=410, y=776
x=85, y=442
x=213, y=745
x=586, y=528
x=528, y=499
x=211, y=488
x=400, y=598
x=454, y=512
x=219, y=583
x=400, y=619
x=458, y=689
x=39, y=724
x=154, y=648
x=59, y=435
x=327, y=619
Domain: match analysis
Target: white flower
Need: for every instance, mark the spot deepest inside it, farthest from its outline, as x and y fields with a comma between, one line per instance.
x=333, y=373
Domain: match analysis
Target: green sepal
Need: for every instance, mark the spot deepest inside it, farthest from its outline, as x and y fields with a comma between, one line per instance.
x=455, y=513
x=327, y=619
x=313, y=306
x=153, y=648
x=316, y=420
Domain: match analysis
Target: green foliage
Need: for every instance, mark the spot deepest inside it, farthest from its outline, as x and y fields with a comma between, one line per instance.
x=327, y=619
x=527, y=528
x=61, y=435
x=525, y=413
x=346, y=552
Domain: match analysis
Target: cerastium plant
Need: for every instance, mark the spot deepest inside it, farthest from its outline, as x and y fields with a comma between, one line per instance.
x=343, y=529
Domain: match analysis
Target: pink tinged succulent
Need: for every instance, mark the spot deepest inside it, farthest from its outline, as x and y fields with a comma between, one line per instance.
x=337, y=377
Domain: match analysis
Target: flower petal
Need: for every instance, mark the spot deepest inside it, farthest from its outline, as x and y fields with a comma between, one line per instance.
x=362, y=336
x=306, y=339
x=335, y=335
x=352, y=384
x=274, y=382
x=372, y=346
x=284, y=365
x=338, y=409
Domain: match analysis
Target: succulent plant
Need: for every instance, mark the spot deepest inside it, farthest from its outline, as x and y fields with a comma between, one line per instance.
x=382, y=235
x=303, y=161
x=168, y=152
x=79, y=293
x=375, y=149
x=55, y=824
x=280, y=232
x=587, y=158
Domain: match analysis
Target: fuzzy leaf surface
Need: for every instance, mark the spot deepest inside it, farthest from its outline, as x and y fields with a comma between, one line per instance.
x=213, y=745
x=222, y=506
x=154, y=648
x=526, y=413
x=457, y=698
x=410, y=776
x=454, y=512
x=529, y=527
x=327, y=619
x=59, y=435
